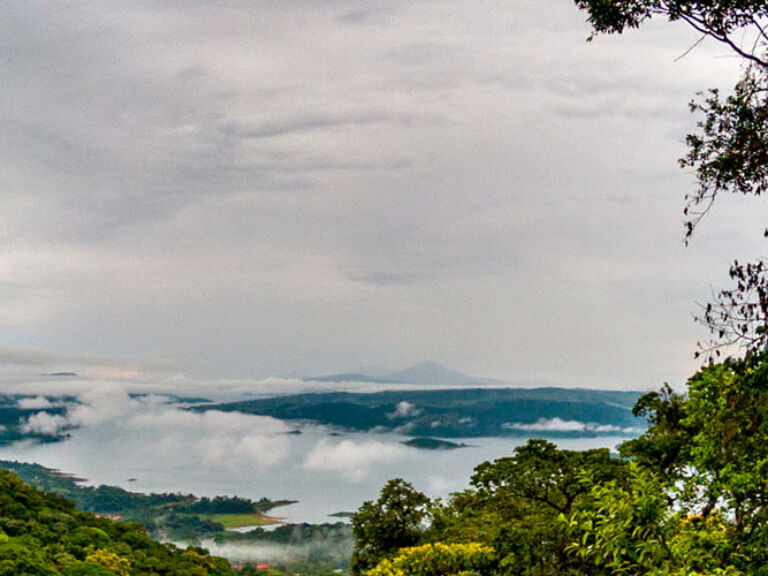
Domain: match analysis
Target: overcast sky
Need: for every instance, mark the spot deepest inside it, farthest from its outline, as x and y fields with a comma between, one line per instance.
x=204, y=191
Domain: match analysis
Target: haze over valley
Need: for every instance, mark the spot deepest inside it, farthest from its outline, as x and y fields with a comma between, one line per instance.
x=304, y=447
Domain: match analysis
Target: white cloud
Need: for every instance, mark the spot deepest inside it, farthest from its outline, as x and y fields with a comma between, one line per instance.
x=549, y=425
x=560, y=425
x=269, y=553
x=404, y=428
x=45, y=424
x=155, y=429
x=351, y=459
x=221, y=438
x=101, y=403
x=404, y=410
x=38, y=402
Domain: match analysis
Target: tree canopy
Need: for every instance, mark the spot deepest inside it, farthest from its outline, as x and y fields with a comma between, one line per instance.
x=724, y=21
x=688, y=497
x=43, y=535
x=393, y=522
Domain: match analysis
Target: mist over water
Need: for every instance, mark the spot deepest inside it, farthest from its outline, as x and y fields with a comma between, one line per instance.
x=150, y=447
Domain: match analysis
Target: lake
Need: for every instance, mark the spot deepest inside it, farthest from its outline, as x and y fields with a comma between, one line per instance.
x=151, y=447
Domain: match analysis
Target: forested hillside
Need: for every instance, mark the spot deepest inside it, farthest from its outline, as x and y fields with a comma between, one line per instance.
x=459, y=413
x=43, y=535
x=305, y=548
x=167, y=516
x=686, y=498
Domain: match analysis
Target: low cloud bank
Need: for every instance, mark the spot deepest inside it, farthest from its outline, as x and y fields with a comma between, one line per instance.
x=334, y=550
x=36, y=403
x=154, y=428
x=45, y=424
x=560, y=425
x=352, y=459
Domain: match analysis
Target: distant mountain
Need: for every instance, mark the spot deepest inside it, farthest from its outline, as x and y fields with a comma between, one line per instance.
x=424, y=373
x=429, y=373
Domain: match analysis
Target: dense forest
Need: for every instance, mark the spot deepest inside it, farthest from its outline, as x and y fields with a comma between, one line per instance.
x=167, y=516
x=43, y=534
x=687, y=497
x=309, y=549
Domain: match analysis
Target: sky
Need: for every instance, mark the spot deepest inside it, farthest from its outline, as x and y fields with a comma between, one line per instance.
x=199, y=195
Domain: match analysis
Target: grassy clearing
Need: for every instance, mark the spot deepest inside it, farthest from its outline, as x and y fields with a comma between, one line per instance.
x=230, y=521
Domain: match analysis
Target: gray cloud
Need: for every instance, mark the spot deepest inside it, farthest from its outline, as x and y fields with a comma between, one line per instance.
x=299, y=125
x=257, y=188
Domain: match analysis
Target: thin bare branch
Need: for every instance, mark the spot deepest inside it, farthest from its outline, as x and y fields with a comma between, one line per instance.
x=701, y=26
x=691, y=48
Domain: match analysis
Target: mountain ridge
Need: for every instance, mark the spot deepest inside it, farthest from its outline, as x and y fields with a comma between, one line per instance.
x=424, y=373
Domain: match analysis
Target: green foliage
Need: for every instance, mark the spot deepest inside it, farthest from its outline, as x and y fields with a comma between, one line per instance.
x=437, y=560
x=730, y=154
x=22, y=556
x=222, y=505
x=627, y=530
x=688, y=497
x=43, y=534
x=721, y=17
x=540, y=472
x=309, y=549
x=710, y=496
x=394, y=521
x=515, y=504
x=114, y=563
x=168, y=516
x=665, y=445
x=634, y=529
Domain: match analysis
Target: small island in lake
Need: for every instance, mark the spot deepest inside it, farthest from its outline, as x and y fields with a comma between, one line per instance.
x=434, y=444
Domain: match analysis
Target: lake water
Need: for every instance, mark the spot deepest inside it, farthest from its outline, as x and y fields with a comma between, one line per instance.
x=159, y=448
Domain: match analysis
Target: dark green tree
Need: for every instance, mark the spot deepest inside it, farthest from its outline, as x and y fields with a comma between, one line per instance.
x=665, y=446
x=515, y=504
x=398, y=519
x=700, y=483
x=43, y=534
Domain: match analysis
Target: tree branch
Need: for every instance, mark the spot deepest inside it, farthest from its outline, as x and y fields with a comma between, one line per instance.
x=701, y=26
